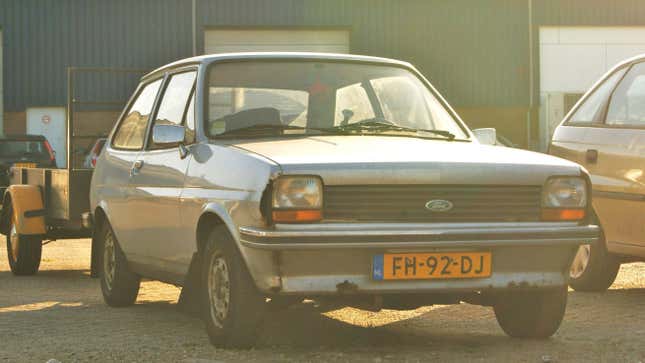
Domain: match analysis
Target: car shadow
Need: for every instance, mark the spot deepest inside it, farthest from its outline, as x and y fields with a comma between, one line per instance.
x=74, y=298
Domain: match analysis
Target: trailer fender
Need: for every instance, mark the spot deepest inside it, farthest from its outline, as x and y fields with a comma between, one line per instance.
x=27, y=209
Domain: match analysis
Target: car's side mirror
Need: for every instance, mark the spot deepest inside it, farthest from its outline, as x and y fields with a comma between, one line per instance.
x=486, y=136
x=168, y=135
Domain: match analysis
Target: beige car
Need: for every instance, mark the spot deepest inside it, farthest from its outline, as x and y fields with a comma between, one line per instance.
x=605, y=132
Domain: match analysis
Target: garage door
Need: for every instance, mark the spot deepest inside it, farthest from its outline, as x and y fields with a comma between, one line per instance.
x=225, y=41
x=573, y=58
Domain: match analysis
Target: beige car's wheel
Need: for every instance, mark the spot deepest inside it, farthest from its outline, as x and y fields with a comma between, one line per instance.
x=580, y=262
x=23, y=252
x=593, y=268
x=119, y=285
x=233, y=306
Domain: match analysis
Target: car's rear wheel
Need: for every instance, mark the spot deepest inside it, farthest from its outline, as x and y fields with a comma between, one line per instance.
x=233, y=307
x=23, y=252
x=531, y=313
x=119, y=285
x=593, y=268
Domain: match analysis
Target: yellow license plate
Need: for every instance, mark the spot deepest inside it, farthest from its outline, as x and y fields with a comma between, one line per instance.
x=24, y=165
x=443, y=265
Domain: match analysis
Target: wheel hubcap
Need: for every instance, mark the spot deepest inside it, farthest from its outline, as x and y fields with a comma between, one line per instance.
x=219, y=290
x=109, y=260
x=580, y=262
x=14, y=241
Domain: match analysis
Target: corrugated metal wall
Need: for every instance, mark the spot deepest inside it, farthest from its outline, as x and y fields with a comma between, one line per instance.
x=42, y=38
x=475, y=51
x=583, y=13
x=589, y=12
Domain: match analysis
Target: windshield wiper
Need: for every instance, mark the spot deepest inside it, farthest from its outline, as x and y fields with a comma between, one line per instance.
x=266, y=129
x=362, y=126
x=378, y=125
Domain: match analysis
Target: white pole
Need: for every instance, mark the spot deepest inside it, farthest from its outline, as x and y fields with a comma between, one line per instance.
x=531, y=76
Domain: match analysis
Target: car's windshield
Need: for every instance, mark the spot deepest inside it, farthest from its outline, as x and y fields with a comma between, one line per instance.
x=19, y=148
x=299, y=97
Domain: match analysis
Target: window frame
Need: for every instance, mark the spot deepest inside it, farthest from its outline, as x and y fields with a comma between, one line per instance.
x=212, y=64
x=611, y=96
x=148, y=145
x=603, y=119
x=133, y=99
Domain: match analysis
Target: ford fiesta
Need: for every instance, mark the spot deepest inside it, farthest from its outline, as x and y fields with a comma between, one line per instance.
x=259, y=180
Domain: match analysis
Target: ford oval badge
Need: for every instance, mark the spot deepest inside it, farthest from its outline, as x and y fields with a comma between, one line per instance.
x=439, y=205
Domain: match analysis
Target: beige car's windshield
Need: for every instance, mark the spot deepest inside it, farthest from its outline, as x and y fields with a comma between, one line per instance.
x=298, y=97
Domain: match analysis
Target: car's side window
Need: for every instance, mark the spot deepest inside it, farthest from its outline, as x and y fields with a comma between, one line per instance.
x=190, y=120
x=627, y=105
x=132, y=130
x=592, y=110
x=175, y=101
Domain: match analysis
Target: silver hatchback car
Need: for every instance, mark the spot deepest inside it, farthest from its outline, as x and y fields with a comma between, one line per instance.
x=259, y=180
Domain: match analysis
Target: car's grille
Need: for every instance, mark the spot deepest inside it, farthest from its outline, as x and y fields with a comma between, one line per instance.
x=396, y=203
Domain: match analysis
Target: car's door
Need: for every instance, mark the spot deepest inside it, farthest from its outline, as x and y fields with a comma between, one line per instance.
x=114, y=177
x=571, y=140
x=159, y=180
x=617, y=163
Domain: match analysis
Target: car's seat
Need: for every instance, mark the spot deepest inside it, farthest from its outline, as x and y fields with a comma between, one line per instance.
x=254, y=116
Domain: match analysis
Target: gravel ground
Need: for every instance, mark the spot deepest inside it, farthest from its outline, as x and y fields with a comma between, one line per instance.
x=60, y=314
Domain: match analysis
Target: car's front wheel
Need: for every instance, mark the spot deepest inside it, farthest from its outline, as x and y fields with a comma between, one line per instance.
x=23, y=252
x=531, y=313
x=233, y=307
x=119, y=285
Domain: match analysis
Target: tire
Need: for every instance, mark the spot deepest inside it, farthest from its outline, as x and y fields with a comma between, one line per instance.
x=593, y=269
x=23, y=252
x=119, y=285
x=233, y=308
x=531, y=313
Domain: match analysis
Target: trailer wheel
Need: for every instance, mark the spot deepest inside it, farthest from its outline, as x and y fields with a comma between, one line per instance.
x=119, y=285
x=23, y=252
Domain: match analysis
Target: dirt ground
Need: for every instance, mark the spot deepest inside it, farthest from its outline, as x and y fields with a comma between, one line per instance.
x=60, y=314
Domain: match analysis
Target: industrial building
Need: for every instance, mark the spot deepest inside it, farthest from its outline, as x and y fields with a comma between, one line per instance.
x=516, y=65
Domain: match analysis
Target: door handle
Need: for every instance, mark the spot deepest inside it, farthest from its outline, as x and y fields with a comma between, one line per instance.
x=136, y=167
x=592, y=156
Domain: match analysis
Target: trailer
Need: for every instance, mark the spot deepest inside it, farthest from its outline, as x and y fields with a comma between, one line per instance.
x=42, y=205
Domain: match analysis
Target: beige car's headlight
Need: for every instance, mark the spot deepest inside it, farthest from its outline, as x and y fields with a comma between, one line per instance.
x=564, y=198
x=297, y=199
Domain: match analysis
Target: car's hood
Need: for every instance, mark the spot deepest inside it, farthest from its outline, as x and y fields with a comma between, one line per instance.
x=398, y=160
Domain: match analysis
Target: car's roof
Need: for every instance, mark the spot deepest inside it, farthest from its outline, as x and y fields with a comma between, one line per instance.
x=22, y=137
x=636, y=58
x=208, y=58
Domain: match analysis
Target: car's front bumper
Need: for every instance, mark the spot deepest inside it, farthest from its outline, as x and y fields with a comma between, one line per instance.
x=327, y=258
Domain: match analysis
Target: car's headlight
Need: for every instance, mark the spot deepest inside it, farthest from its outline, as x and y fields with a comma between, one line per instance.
x=564, y=198
x=297, y=199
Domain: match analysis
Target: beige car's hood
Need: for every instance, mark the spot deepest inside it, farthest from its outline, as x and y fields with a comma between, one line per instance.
x=398, y=160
